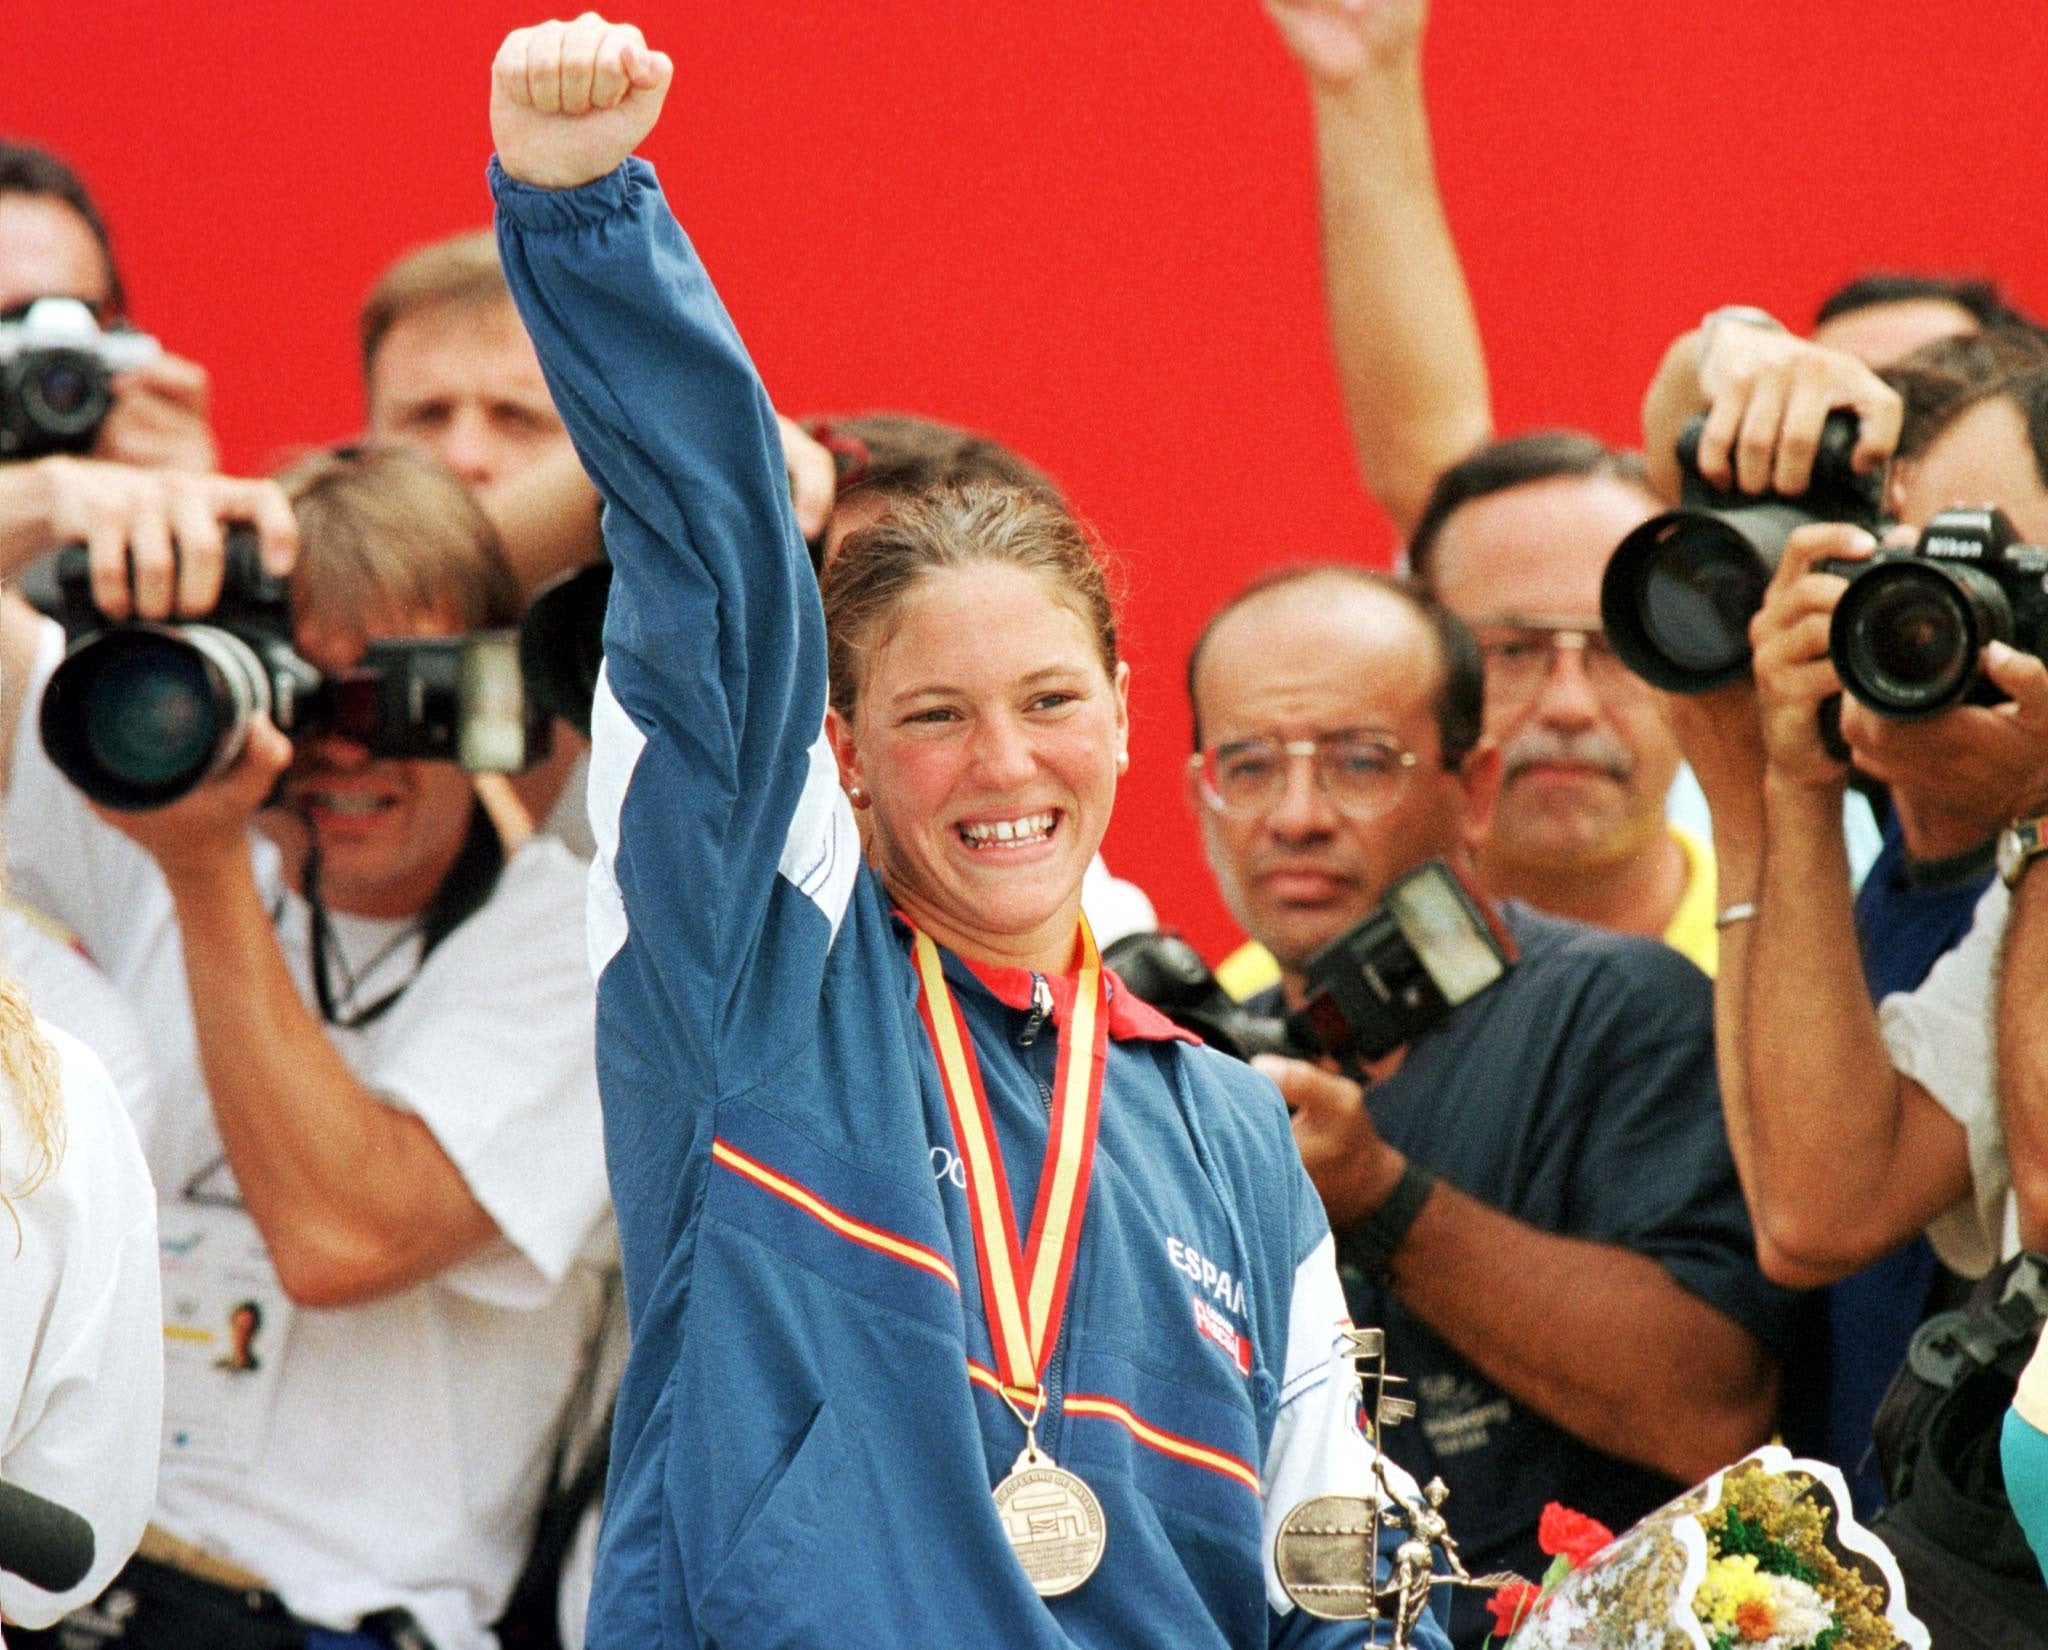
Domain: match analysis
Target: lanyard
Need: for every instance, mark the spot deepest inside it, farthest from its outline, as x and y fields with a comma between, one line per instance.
x=1023, y=1288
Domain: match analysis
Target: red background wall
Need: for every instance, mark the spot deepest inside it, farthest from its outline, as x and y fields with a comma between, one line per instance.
x=1089, y=229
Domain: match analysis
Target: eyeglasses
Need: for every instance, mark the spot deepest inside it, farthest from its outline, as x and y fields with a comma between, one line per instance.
x=1362, y=774
x=1521, y=654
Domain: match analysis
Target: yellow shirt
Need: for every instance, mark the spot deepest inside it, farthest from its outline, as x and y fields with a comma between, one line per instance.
x=1251, y=969
x=1691, y=932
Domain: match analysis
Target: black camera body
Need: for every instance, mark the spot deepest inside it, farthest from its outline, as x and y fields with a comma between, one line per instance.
x=1428, y=946
x=1680, y=590
x=1907, y=634
x=561, y=642
x=1167, y=972
x=139, y=713
x=56, y=377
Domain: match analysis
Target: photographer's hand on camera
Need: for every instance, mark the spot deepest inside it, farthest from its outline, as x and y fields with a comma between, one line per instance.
x=1353, y=1168
x=1959, y=778
x=1794, y=675
x=1766, y=394
x=161, y=418
x=155, y=540
x=156, y=537
x=204, y=835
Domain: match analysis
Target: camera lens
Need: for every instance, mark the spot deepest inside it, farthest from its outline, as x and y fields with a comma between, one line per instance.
x=141, y=714
x=1677, y=599
x=65, y=393
x=149, y=717
x=1906, y=635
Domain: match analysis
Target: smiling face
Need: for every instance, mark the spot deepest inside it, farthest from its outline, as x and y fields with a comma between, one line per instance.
x=388, y=831
x=1586, y=752
x=1321, y=656
x=986, y=738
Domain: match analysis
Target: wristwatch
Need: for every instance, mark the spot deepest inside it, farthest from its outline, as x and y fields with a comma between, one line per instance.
x=2019, y=845
x=1370, y=1245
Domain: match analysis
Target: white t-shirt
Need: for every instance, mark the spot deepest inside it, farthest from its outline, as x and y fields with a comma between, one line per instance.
x=391, y=1453
x=81, y=1356
x=1943, y=1035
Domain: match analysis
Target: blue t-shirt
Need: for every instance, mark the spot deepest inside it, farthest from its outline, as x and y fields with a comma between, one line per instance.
x=1577, y=1095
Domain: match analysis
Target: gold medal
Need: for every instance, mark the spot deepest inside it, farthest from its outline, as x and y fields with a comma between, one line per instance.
x=1051, y=1518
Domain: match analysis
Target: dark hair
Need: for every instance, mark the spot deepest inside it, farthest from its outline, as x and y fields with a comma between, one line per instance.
x=1942, y=380
x=1519, y=461
x=879, y=566
x=1978, y=296
x=25, y=170
x=1460, y=701
x=908, y=456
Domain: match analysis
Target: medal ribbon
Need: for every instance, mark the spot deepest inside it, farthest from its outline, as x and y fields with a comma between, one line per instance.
x=1023, y=1288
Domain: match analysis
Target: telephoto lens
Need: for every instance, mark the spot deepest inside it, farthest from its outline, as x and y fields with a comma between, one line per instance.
x=139, y=715
x=1679, y=591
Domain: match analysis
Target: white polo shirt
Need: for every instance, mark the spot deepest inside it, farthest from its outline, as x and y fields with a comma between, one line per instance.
x=1944, y=1035
x=391, y=1453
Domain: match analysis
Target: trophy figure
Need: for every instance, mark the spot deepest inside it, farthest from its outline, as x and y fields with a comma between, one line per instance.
x=1327, y=1552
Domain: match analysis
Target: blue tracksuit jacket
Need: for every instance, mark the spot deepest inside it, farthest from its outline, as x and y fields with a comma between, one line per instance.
x=805, y=1446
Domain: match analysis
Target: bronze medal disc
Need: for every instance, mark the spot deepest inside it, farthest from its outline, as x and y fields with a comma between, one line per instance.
x=1054, y=1524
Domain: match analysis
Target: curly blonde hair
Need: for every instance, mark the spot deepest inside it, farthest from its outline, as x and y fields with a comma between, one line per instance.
x=29, y=1063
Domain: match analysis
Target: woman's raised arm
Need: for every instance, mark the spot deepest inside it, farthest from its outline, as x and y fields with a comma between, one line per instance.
x=708, y=764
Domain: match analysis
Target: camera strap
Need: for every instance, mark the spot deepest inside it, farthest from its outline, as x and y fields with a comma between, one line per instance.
x=459, y=897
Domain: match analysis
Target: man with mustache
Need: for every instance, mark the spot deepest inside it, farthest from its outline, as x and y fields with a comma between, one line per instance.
x=1514, y=540
x=1536, y=1195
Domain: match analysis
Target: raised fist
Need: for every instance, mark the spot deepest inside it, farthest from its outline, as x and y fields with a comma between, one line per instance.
x=1338, y=40
x=569, y=101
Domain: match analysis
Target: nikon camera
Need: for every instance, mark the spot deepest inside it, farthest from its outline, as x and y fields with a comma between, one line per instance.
x=1908, y=632
x=1428, y=946
x=140, y=713
x=1680, y=590
x=57, y=376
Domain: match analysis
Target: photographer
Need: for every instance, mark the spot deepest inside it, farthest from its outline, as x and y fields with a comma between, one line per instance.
x=54, y=244
x=374, y=1021
x=1859, y=1127
x=1537, y=1192
x=1797, y=1028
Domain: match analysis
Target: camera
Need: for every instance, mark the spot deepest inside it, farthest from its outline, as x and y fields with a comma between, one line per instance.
x=1167, y=972
x=1428, y=946
x=1908, y=632
x=140, y=713
x=561, y=642
x=56, y=376
x=1680, y=590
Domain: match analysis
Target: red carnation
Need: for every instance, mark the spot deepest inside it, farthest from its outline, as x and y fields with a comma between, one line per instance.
x=1511, y=1606
x=1573, y=1536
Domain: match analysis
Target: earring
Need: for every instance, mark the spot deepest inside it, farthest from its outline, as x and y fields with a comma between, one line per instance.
x=1123, y=762
x=857, y=796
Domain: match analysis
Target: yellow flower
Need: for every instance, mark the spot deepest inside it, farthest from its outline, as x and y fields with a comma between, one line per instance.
x=1730, y=1583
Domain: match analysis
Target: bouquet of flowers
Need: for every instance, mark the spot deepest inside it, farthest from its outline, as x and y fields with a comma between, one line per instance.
x=1765, y=1555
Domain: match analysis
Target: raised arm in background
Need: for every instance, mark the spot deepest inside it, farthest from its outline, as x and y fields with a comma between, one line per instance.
x=1407, y=345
